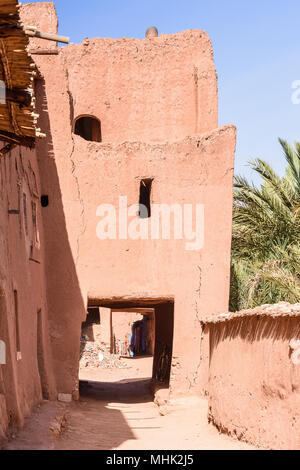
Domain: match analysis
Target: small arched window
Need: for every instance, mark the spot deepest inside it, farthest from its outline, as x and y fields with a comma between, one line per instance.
x=89, y=128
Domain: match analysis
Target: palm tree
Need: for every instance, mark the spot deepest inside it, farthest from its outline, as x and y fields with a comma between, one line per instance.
x=266, y=235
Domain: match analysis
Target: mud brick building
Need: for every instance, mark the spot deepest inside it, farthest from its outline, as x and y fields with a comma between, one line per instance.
x=119, y=115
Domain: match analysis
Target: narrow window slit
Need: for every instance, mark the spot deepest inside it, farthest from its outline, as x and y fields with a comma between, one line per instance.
x=145, y=198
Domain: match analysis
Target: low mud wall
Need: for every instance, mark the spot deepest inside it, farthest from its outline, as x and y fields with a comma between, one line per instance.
x=254, y=375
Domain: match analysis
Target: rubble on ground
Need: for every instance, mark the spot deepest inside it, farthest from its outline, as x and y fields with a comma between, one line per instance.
x=94, y=355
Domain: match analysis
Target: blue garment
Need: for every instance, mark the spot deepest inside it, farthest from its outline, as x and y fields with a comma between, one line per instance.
x=130, y=350
x=144, y=335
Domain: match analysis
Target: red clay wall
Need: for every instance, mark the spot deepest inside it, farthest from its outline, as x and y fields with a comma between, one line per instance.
x=151, y=90
x=148, y=90
x=197, y=280
x=143, y=91
x=254, y=382
x=22, y=270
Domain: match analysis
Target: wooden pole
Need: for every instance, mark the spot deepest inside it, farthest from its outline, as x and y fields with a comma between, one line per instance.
x=30, y=31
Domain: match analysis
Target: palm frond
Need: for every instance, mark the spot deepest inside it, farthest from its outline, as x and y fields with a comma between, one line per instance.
x=266, y=234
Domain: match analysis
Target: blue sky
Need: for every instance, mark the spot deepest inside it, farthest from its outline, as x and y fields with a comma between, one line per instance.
x=256, y=46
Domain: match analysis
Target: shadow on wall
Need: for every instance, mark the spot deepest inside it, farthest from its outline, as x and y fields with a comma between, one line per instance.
x=65, y=303
x=10, y=412
x=254, y=329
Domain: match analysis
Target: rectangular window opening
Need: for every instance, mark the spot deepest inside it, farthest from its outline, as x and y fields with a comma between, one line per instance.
x=145, y=198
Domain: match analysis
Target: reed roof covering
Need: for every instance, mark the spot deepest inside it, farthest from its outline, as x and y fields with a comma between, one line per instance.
x=17, y=71
x=282, y=309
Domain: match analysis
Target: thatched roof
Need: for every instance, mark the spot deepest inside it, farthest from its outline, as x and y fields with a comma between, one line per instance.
x=17, y=71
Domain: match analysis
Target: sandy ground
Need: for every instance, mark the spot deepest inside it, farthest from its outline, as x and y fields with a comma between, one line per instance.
x=116, y=412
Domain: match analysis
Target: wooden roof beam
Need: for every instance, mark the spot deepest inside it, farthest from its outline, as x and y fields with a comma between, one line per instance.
x=17, y=139
x=23, y=98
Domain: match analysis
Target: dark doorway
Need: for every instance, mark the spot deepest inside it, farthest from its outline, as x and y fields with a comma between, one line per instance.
x=40, y=356
x=133, y=332
x=107, y=352
x=17, y=325
x=164, y=329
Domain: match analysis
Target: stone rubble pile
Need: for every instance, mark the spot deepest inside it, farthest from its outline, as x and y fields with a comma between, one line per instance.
x=94, y=355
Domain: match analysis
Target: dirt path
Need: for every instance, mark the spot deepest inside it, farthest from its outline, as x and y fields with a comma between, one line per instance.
x=120, y=414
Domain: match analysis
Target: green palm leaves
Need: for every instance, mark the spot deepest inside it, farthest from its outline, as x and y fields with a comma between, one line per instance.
x=266, y=235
